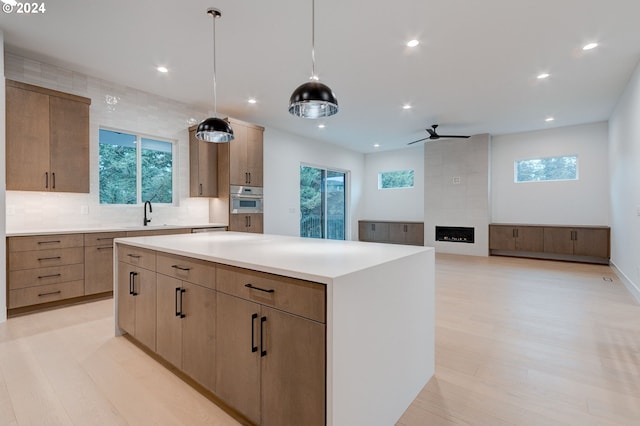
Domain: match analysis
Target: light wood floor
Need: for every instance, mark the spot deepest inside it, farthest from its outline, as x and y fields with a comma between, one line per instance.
x=518, y=342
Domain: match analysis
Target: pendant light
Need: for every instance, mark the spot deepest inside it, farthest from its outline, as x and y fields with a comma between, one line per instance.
x=214, y=129
x=313, y=99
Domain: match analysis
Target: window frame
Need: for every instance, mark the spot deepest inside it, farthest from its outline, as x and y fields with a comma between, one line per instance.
x=138, y=142
x=413, y=181
x=515, y=169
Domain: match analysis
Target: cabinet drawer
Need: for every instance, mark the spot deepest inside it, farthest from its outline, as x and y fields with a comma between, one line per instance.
x=137, y=256
x=46, y=293
x=187, y=269
x=19, y=260
x=44, y=276
x=102, y=238
x=44, y=242
x=295, y=296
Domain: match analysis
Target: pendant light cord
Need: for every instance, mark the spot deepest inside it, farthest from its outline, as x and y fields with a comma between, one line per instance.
x=313, y=40
x=215, y=99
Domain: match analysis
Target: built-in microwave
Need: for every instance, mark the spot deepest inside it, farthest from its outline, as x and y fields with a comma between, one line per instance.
x=246, y=199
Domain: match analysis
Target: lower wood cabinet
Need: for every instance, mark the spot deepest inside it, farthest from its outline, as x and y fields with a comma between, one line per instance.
x=575, y=243
x=137, y=301
x=252, y=222
x=186, y=328
x=391, y=232
x=98, y=262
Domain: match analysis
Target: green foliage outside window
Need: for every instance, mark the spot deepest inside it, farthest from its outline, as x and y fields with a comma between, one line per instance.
x=547, y=169
x=396, y=179
x=118, y=168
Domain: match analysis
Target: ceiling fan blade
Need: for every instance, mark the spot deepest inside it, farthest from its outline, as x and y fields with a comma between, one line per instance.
x=454, y=136
x=419, y=140
x=432, y=132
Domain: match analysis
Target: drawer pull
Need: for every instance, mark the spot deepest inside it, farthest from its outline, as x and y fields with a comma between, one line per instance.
x=50, y=258
x=105, y=248
x=49, y=242
x=49, y=293
x=49, y=276
x=251, y=286
x=182, y=268
x=104, y=238
x=135, y=256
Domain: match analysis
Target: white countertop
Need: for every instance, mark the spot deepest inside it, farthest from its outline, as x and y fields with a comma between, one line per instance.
x=304, y=258
x=106, y=228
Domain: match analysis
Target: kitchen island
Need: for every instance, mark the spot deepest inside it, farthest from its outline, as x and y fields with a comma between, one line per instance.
x=360, y=345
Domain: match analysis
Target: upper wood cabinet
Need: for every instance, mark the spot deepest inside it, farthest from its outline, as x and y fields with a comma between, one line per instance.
x=203, y=166
x=246, y=155
x=47, y=139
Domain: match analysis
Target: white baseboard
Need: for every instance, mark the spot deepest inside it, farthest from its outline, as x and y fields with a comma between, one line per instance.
x=633, y=288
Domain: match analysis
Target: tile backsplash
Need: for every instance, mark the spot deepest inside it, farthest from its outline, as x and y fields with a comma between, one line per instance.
x=114, y=107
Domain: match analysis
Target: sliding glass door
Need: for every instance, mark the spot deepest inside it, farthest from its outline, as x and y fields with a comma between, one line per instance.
x=322, y=203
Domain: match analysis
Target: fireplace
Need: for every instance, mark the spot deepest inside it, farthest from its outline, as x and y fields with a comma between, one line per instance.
x=455, y=234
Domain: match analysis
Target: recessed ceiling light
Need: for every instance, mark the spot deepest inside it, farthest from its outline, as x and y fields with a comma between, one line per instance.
x=543, y=76
x=413, y=43
x=376, y=145
x=252, y=101
x=406, y=106
x=163, y=69
x=590, y=46
x=321, y=126
x=549, y=119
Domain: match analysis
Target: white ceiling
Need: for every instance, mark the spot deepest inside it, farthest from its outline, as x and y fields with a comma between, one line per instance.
x=474, y=71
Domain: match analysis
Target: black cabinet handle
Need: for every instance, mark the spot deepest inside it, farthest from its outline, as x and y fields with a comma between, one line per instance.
x=105, y=248
x=49, y=276
x=50, y=258
x=135, y=256
x=254, y=348
x=132, y=283
x=251, y=286
x=263, y=352
x=49, y=293
x=249, y=177
x=49, y=242
x=249, y=217
x=53, y=180
x=46, y=180
x=182, y=292
x=104, y=238
x=200, y=189
x=182, y=268
x=176, y=302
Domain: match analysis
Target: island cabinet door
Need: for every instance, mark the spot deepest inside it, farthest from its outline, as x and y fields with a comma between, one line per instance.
x=292, y=353
x=126, y=301
x=169, y=321
x=238, y=354
x=144, y=287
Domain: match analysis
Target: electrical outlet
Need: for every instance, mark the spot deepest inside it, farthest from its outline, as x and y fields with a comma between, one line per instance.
x=84, y=209
x=456, y=180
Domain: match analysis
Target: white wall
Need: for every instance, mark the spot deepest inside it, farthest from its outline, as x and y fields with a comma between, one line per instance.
x=624, y=172
x=581, y=202
x=135, y=111
x=406, y=204
x=283, y=155
x=456, y=174
x=3, y=246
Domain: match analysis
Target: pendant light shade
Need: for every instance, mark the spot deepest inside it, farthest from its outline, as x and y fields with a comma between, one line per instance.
x=214, y=129
x=313, y=99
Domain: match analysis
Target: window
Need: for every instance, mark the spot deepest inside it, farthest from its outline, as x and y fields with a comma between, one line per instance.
x=134, y=169
x=395, y=179
x=546, y=169
x=322, y=203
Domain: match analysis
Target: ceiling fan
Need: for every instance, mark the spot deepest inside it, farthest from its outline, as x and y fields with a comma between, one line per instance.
x=435, y=136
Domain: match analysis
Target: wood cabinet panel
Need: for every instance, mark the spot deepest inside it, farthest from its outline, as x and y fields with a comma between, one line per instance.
x=187, y=269
x=501, y=237
x=592, y=242
x=45, y=293
x=169, y=323
x=102, y=238
x=98, y=269
x=126, y=301
x=293, y=370
x=203, y=170
x=406, y=233
x=255, y=155
x=515, y=237
x=69, y=145
x=47, y=139
x=289, y=294
x=27, y=139
x=44, y=242
x=137, y=256
x=43, y=276
x=45, y=258
x=238, y=354
x=246, y=153
x=137, y=303
x=530, y=238
x=252, y=222
x=558, y=240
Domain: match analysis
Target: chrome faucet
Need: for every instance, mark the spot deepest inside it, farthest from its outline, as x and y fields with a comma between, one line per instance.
x=145, y=212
